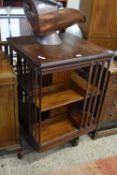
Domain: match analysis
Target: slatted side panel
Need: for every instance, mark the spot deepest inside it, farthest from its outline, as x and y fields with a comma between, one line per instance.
x=97, y=77
x=29, y=90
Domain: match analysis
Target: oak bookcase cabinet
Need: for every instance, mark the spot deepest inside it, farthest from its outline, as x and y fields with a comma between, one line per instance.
x=101, y=25
x=9, y=129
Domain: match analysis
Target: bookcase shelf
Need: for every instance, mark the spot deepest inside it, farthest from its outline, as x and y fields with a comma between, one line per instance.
x=58, y=99
x=55, y=129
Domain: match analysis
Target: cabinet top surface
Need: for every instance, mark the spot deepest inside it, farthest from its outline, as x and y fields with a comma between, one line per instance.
x=72, y=51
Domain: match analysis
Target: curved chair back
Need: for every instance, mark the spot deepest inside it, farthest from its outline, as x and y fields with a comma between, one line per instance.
x=45, y=17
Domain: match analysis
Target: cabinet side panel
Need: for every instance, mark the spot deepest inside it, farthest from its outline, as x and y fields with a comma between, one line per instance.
x=7, y=119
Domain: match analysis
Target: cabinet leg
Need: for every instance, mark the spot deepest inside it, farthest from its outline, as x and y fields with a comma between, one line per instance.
x=20, y=153
x=75, y=142
x=92, y=135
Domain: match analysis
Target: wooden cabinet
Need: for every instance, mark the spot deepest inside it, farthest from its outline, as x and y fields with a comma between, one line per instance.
x=101, y=25
x=9, y=128
x=60, y=95
x=108, y=117
x=101, y=28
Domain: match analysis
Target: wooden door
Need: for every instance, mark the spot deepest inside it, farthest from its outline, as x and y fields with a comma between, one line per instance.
x=7, y=116
x=102, y=18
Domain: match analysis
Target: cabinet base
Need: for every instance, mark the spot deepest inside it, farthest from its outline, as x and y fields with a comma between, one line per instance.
x=103, y=133
x=13, y=148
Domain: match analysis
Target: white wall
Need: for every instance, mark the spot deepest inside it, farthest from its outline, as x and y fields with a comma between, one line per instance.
x=74, y=30
x=16, y=27
x=73, y=3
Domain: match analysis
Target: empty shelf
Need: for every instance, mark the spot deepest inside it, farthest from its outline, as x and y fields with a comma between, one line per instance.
x=60, y=98
x=56, y=129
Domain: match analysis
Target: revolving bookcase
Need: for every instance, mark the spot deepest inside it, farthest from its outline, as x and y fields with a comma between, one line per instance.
x=61, y=88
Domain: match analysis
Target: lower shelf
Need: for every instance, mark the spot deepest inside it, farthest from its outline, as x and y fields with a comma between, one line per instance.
x=55, y=129
x=59, y=130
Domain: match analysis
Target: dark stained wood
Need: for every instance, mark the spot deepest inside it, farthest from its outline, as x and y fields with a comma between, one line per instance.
x=45, y=109
x=71, y=46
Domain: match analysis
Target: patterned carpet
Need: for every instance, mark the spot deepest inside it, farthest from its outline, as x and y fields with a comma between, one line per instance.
x=106, y=166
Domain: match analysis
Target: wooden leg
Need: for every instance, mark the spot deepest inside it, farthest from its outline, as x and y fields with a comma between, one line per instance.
x=75, y=142
x=20, y=153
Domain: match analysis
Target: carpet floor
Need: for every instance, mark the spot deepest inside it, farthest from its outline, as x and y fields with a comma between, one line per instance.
x=63, y=157
x=106, y=166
